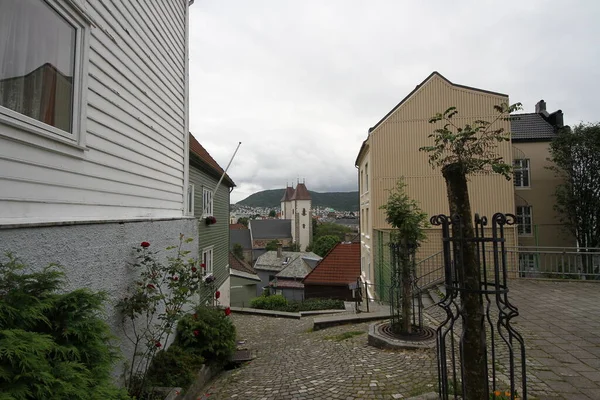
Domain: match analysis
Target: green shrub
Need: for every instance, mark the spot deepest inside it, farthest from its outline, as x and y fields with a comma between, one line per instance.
x=208, y=333
x=52, y=345
x=320, y=304
x=273, y=302
x=174, y=367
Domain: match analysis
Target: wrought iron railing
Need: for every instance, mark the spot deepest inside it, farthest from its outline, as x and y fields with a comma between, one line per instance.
x=430, y=271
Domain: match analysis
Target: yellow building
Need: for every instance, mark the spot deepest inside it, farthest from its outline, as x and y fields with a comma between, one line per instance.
x=391, y=151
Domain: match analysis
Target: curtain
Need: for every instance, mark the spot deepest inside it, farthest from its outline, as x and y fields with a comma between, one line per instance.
x=37, y=54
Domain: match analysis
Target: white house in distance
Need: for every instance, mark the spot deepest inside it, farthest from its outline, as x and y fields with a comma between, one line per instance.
x=93, y=135
x=296, y=206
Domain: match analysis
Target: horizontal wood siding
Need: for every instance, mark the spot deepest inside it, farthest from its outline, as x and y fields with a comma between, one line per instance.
x=216, y=235
x=133, y=166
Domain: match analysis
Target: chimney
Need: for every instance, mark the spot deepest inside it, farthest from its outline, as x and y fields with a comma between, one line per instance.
x=279, y=246
x=540, y=107
x=559, y=121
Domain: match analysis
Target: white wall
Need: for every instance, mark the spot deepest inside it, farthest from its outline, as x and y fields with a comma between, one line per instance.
x=132, y=164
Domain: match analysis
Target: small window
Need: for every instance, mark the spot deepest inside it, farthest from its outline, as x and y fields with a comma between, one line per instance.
x=521, y=172
x=367, y=177
x=42, y=57
x=524, y=220
x=304, y=211
x=207, y=260
x=190, y=200
x=303, y=226
x=207, y=203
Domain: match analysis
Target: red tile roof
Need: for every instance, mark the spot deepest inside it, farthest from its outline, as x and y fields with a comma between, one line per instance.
x=340, y=266
x=239, y=264
x=301, y=193
x=237, y=226
x=197, y=149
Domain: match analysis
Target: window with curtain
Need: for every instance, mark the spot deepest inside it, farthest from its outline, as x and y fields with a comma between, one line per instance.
x=37, y=62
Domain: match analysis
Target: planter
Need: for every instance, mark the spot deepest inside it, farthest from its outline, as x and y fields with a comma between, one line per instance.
x=210, y=220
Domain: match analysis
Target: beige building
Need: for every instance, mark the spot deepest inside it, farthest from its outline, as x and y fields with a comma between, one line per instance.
x=534, y=183
x=391, y=151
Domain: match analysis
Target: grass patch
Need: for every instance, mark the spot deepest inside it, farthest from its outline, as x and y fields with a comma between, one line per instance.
x=344, y=336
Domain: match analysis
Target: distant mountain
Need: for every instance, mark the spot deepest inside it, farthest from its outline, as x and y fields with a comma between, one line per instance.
x=339, y=201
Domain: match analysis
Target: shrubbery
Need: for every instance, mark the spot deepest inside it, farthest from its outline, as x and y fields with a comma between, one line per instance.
x=280, y=303
x=174, y=367
x=207, y=333
x=52, y=345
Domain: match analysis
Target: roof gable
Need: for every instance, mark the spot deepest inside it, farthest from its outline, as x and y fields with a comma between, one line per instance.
x=301, y=193
x=287, y=194
x=205, y=158
x=340, y=266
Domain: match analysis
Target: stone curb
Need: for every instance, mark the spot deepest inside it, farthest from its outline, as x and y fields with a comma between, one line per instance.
x=266, y=313
x=320, y=312
x=326, y=322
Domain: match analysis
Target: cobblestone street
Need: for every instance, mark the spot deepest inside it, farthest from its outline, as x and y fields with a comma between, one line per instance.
x=559, y=321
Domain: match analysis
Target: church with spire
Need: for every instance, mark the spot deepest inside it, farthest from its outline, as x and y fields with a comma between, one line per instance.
x=296, y=205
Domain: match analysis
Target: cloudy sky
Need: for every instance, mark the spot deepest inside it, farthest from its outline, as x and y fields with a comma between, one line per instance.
x=299, y=82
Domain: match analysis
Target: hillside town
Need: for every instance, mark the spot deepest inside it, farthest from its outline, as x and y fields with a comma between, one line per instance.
x=440, y=238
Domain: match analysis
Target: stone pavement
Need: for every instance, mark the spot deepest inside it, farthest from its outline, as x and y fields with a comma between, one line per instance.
x=560, y=322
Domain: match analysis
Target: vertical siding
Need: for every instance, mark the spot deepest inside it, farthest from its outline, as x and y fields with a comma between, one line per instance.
x=216, y=235
x=394, y=152
x=136, y=113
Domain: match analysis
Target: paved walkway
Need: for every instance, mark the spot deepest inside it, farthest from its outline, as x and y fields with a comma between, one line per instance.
x=560, y=323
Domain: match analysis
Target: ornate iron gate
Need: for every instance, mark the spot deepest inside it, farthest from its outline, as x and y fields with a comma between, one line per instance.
x=502, y=347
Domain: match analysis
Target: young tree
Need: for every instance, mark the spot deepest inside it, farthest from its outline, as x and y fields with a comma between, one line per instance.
x=460, y=152
x=322, y=245
x=404, y=214
x=243, y=221
x=575, y=157
x=272, y=245
x=238, y=250
x=272, y=214
x=331, y=228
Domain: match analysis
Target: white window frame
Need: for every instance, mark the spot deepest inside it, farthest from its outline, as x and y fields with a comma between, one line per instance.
x=525, y=214
x=367, y=177
x=35, y=132
x=523, y=167
x=208, y=260
x=190, y=202
x=207, y=203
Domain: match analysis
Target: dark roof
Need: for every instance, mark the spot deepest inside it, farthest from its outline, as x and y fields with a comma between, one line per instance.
x=286, y=284
x=287, y=195
x=240, y=265
x=408, y=96
x=301, y=193
x=240, y=236
x=206, y=159
x=531, y=127
x=292, y=261
x=271, y=228
x=340, y=266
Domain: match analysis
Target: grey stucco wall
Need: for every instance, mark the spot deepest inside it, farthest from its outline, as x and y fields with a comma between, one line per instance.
x=96, y=256
x=264, y=280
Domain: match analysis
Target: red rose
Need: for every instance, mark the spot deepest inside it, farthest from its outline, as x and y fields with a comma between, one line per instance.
x=227, y=311
x=175, y=278
x=194, y=269
x=157, y=344
x=217, y=294
x=150, y=286
x=145, y=244
x=196, y=332
x=203, y=265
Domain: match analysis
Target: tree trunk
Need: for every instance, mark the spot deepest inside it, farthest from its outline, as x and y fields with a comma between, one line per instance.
x=468, y=273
